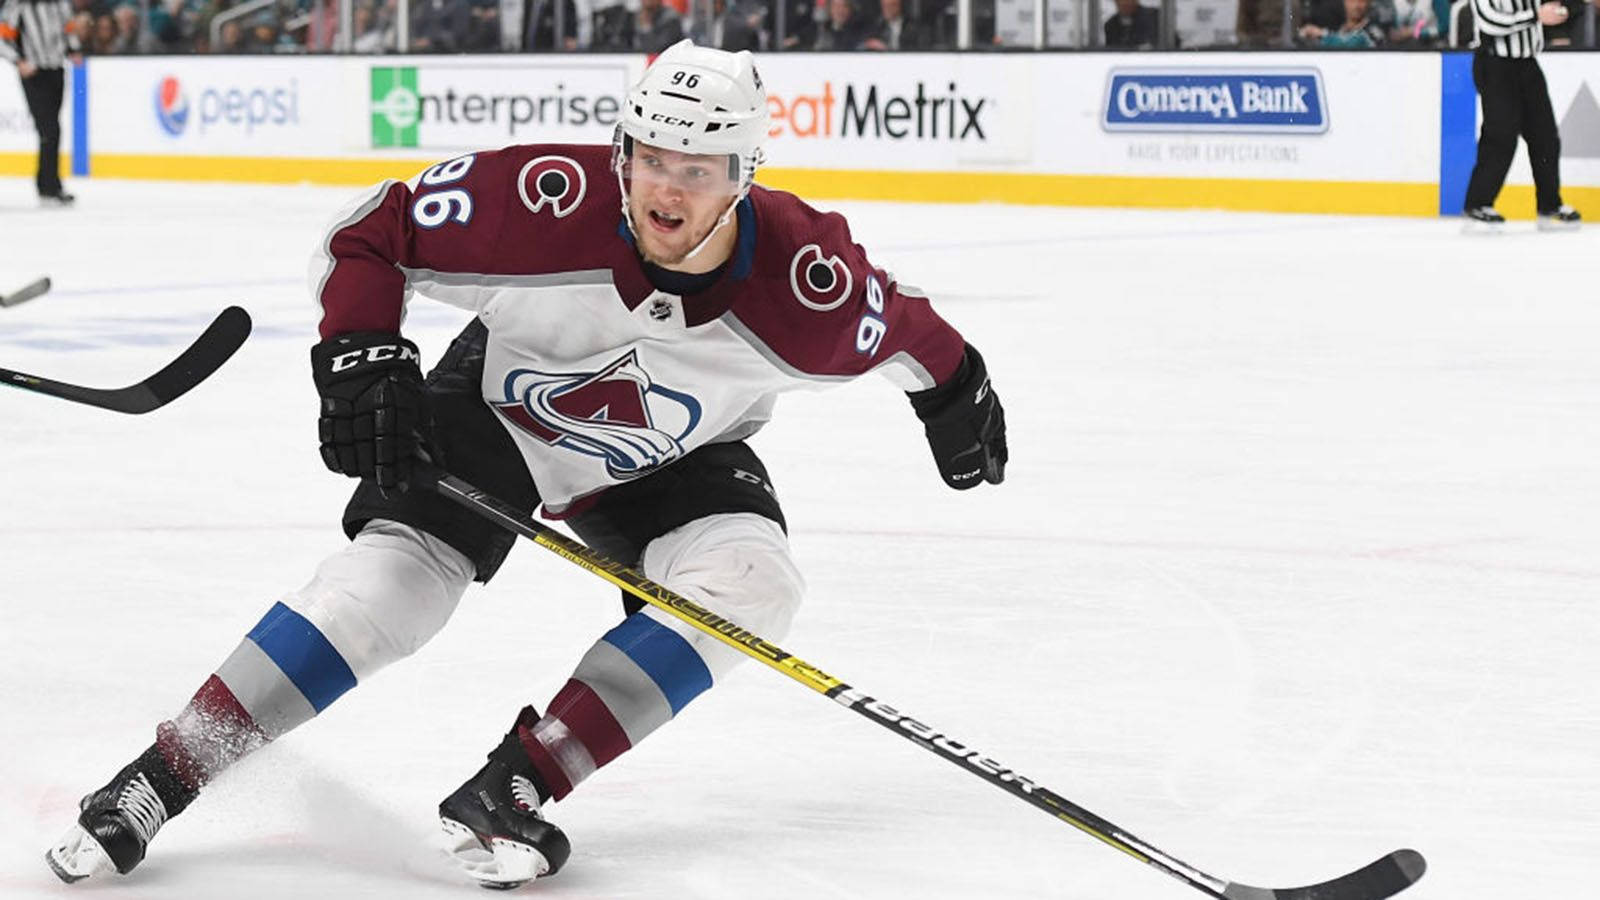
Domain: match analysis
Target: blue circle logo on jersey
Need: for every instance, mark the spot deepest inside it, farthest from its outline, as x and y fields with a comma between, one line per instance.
x=172, y=106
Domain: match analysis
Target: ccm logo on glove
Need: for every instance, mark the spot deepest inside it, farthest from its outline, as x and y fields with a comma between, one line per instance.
x=382, y=353
x=374, y=420
x=965, y=425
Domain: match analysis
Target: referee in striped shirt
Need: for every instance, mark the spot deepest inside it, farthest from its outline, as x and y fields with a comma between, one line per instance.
x=1515, y=101
x=36, y=36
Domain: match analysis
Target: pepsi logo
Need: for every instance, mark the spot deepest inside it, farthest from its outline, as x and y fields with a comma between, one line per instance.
x=556, y=183
x=172, y=106
x=818, y=283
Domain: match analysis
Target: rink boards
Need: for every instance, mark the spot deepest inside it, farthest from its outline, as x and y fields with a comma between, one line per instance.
x=1363, y=133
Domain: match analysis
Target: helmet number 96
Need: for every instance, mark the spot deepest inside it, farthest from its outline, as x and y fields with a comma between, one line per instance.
x=685, y=79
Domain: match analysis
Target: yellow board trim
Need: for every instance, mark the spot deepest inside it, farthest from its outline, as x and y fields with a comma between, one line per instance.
x=254, y=169
x=1517, y=202
x=27, y=163
x=1032, y=189
x=1353, y=197
x=1242, y=194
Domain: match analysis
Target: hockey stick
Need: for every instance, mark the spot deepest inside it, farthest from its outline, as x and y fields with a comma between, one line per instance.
x=207, y=354
x=26, y=292
x=1383, y=878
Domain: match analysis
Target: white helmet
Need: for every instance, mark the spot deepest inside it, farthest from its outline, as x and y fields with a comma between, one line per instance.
x=699, y=100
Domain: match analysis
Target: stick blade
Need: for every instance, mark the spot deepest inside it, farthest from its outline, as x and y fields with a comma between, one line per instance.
x=195, y=364
x=1382, y=878
x=215, y=346
x=27, y=292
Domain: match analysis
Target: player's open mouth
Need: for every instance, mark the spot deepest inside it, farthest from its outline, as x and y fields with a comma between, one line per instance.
x=665, y=221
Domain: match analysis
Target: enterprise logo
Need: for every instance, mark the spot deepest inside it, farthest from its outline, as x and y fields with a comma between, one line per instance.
x=1275, y=100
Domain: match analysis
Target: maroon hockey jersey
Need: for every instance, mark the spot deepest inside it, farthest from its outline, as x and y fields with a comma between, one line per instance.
x=598, y=376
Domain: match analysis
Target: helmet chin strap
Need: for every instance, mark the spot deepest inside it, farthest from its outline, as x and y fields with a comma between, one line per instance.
x=727, y=215
x=627, y=213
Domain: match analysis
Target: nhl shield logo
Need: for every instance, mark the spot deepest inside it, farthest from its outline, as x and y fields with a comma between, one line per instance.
x=618, y=414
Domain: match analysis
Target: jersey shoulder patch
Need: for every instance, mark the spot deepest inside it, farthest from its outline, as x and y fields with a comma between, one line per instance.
x=556, y=180
x=809, y=251
x=817, y=304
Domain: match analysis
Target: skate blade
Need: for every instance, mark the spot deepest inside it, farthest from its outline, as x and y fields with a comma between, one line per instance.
x=1473, y=226
x=500, y=865
x=1544, y=225
x=78, y=856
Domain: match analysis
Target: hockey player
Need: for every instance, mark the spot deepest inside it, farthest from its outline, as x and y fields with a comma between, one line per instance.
x=638, y=310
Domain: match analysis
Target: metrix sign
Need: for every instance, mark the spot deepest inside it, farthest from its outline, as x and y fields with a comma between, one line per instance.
x=1275, y=100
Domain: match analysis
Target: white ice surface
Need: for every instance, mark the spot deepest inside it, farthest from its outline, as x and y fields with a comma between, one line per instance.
x=1295, y=565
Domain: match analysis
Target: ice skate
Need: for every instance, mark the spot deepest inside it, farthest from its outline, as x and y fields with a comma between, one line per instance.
x=1563, y=219
x=1484, y=220
x=492, y=826
x=115, y=825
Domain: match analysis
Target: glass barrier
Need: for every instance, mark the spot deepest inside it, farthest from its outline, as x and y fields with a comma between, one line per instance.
x=488, y=26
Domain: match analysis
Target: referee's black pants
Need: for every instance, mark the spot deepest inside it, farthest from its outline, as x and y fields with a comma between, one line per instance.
x=44, y=90
x=1516, y=101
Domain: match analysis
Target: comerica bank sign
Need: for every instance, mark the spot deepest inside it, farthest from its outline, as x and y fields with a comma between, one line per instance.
x=1267, y=100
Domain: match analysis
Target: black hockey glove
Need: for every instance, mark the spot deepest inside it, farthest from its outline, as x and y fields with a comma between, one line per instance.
x=966, y=425
x=375, y=414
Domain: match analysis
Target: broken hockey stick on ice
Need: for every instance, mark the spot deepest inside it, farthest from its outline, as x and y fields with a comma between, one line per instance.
x=1384, y=878
x=26, y=292
x=203, y=357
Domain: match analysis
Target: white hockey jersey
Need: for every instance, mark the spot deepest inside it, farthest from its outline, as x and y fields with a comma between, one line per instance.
x=598, y=376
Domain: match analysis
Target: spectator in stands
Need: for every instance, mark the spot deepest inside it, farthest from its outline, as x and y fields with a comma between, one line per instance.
x=1326, y=14
x=1134, y=26
x=844, y=30
x=896, y=32
x=370, y=34
x=656, y=27
x=1360, y=30
x=174, y=24
x=103, y=36
x=483, y=33
x=540, y=30
x=613, y=28
x=1414, y=23
x=81, y=23
x=734, y=29
x=129, y=34
x=231, y=38
x=1260, y=23
x=800, y=24
x=265, y=37
x=439, y=26
x=1570, y=30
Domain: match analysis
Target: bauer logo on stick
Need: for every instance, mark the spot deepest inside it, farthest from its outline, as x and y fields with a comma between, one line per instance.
x=552, y=182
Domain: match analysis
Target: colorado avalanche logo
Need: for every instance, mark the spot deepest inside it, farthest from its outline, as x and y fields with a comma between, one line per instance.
x=172, y=106
x=617, y=414
x=819, y=284
x=555, y=182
